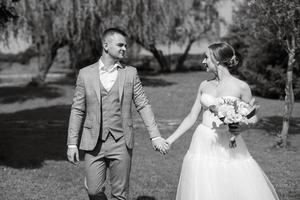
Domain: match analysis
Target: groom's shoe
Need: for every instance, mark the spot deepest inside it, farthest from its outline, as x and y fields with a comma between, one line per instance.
x=100, y=196
x=95, y=196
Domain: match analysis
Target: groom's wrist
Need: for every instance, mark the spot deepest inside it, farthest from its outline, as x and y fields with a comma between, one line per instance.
x=72, y=146
x=155, y=138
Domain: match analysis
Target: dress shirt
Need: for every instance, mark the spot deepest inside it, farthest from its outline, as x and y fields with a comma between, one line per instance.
x=108, y=74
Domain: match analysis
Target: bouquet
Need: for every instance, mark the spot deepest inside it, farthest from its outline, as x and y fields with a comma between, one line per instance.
x=233, y=112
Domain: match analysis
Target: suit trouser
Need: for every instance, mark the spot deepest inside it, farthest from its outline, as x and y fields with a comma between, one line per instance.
x=112, y=154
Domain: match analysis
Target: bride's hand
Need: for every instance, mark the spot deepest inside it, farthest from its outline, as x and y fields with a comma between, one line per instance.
x=169, y=142
x=255, y=106
x=244, y=127
x=252, y=120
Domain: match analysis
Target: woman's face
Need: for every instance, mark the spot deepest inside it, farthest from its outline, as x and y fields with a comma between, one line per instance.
x=208, y=61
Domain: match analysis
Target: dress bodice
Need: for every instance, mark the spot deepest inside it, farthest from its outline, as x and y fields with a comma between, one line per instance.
x=208, y=100
x=210, y=119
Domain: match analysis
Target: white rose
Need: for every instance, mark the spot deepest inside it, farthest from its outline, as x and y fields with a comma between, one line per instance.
x=237, y=118
x=222, y=110
x=243, y=111
x=230, y=116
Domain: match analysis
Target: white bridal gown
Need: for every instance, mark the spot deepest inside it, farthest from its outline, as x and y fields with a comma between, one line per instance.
x=213, y=171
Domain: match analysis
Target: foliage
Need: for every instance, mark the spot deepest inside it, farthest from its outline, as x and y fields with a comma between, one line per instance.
x=263, y=64
x=49, y=25
x=276, y=22
x=163, y=22
x=52, y=24
x=201, y=19
x=151, y=23
x=7, y=15
x=264, y=47
x=272, y=20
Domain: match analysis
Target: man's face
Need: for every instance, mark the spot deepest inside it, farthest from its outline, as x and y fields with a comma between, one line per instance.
x=116, y=45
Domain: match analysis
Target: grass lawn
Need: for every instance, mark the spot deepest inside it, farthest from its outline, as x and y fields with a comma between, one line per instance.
x=33, y=125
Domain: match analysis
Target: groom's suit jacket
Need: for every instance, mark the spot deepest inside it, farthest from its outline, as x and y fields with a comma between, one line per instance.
x=86, y=107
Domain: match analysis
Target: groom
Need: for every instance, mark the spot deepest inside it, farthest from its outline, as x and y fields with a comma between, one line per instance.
x=102, y=104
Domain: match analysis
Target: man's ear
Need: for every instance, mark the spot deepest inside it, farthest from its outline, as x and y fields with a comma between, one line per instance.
x=105, y=46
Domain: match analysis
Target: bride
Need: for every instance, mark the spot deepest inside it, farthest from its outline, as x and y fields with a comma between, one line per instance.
x=211, y=170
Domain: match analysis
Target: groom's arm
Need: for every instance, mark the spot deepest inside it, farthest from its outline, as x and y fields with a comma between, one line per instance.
x=77, y=112
x=144, y=108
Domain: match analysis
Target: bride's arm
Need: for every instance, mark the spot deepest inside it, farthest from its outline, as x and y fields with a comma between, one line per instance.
x=247, y=97
x=189, y=120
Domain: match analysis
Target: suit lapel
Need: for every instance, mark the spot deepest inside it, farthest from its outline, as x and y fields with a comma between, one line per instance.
x=122, y=75
x=95, y=76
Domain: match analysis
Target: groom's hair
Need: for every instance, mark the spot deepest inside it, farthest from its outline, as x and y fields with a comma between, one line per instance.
x=111, y=31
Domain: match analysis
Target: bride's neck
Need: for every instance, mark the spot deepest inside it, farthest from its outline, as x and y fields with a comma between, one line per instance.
x=222, y=73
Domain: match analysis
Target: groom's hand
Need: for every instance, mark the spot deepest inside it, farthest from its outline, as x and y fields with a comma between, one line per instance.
x=73, y=154
x=159, y=144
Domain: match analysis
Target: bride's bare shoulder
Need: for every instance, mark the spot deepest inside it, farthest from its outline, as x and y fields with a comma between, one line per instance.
x=204, y=84
x=241, y=83
x=245, y=91
x=244, y=85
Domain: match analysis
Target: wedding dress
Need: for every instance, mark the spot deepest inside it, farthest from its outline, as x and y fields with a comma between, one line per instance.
x=213, y=171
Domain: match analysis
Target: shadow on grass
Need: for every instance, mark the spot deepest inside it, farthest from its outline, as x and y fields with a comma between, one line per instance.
x=30, y=137
x=155, y=82
x=273, y=125
x=145, y=198
x=20, y=94
x=65, y=79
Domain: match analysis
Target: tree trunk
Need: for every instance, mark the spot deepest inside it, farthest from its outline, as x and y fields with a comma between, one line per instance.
x=161, y=59
x=158, y=55
x=46, y=57
x=74, y=57
x=289, y=101
x=84, y=54
x=180, y=64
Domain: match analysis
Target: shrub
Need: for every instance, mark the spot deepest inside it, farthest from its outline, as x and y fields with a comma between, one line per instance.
x=264, y=64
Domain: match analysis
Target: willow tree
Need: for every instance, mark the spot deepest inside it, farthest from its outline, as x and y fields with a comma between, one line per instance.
x=277, y=21
x=201, y=20
x=150, y=25
x=147, y=22
x=7, y=15
x=49, y=25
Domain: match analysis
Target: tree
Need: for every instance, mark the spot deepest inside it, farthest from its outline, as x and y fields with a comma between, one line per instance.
x=150, y=25
x=262, y=62
x=7, y=15
x=49, y=25
x=277, y=21
x=201, y=20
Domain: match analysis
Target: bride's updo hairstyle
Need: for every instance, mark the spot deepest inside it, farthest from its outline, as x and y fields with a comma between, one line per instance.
x=223, y=54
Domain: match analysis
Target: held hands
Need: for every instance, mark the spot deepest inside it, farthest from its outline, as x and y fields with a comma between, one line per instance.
x=160, y=144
